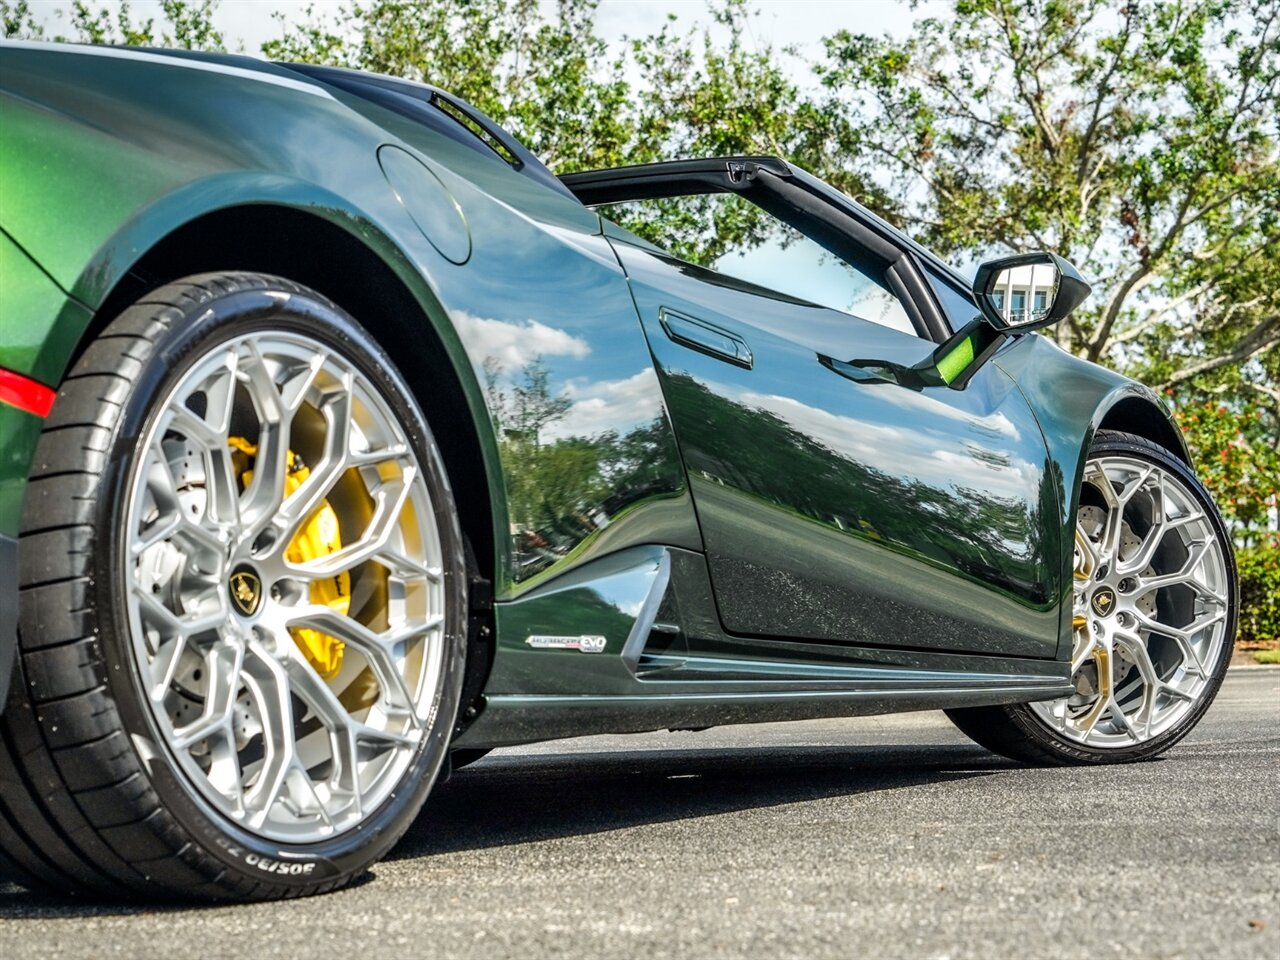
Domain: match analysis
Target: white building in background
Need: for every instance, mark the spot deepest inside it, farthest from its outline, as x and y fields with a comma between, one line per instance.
x=1024, y=294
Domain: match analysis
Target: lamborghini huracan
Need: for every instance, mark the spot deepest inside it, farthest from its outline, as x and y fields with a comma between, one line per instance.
x=342, y=442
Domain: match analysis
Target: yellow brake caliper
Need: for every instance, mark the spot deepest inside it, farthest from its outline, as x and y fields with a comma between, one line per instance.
x=319, y=537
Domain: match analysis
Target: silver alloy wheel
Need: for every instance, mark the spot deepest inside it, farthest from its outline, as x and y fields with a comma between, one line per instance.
x=285, y=595
x=1150, y=606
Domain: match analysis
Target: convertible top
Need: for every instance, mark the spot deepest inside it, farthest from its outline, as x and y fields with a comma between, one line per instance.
x=670, y=178
x=732, y=174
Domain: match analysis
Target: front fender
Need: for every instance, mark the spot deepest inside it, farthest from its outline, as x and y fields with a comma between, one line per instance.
x=1072, y=399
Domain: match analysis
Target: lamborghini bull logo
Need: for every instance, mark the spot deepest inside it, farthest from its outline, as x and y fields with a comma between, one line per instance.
x=246, y=591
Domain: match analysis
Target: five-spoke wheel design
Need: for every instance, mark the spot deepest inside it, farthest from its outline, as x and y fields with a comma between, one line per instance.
x=1151, y=606
x=284, y=586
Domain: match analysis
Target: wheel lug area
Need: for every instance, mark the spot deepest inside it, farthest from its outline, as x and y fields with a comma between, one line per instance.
x=288, y=592
x=264, y=543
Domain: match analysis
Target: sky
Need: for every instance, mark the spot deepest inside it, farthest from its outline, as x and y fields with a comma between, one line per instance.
x=801, y=23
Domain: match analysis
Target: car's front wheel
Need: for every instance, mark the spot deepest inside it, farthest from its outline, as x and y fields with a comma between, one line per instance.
x=242, y=607
x=1154, y=617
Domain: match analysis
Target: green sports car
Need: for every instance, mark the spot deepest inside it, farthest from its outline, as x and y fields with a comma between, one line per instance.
x=341, y=442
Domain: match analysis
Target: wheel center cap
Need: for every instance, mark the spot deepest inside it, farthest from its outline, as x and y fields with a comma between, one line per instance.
x=245, y=588
x=1104, y=602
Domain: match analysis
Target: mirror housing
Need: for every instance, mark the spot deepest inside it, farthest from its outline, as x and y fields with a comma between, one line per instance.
x=1028, y=291
x=1015, y=294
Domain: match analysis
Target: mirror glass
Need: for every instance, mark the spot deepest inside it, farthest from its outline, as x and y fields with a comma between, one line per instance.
x=1024, y=294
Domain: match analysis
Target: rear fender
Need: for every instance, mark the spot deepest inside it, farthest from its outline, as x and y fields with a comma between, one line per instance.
x=151, y=225
x=97, y=294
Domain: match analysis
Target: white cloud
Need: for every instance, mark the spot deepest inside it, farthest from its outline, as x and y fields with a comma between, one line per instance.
x=890, y=450
x=995, y=424
x=608, y=405
x=513, y=345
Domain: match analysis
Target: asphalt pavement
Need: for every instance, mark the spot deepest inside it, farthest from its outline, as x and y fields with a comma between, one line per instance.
x=873, y=837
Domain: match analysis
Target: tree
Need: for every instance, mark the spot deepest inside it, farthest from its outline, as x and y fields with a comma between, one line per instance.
x=531, y=406
x=551, y=81
x=187, y=24
x=1138, y=141
x=545, y=78
x=1237, y=464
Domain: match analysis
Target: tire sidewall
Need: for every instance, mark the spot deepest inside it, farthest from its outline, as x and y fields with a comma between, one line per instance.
x=1107, y=443
x=274, y=307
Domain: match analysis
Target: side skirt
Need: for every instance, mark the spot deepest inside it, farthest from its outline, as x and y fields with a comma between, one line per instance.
x=631, y=643
x=510, y=720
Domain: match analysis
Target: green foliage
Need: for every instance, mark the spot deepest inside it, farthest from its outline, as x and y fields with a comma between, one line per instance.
x=555, y=485
x=545, y=78
x=1260, y=592
x=18, y=22
x=549, y=482
x=1236, y=463
x=186, y=24
x=1137, y=140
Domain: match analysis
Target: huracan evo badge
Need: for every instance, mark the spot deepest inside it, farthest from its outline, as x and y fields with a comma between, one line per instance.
x=588, y=644
x=246, y=591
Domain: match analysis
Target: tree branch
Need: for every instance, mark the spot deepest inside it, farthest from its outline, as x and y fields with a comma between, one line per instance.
x=1264, y=336
x=1092, y=127
x=1034, y=101
x=1135, y=281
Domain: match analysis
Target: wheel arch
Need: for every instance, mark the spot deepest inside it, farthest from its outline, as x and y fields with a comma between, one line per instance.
x=1126, y=406
x=1139, y=414
x=1131, y=408
x=1072, y=400
x=359, y=268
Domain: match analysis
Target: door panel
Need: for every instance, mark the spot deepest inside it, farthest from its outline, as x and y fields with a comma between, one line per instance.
x=845, y=507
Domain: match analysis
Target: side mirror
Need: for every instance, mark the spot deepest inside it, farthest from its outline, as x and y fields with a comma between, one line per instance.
x=1028, y=291
x=1015, y=294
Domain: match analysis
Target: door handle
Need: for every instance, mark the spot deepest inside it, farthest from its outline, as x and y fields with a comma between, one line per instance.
x=706, y=338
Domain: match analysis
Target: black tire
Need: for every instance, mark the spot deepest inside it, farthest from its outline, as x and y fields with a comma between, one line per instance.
x=88, y=803
x=1016, y=732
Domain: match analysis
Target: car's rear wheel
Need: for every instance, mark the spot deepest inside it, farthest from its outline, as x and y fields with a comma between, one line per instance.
x=242, y=605
x=1154, y=616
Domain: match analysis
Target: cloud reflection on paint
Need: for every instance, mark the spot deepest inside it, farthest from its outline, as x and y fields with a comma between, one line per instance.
x=884, y=448
x=515, y=345
x=608, y=405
